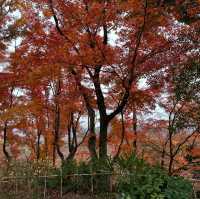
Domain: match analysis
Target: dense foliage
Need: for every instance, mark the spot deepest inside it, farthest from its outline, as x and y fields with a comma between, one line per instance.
x=126, y=178
x=144, y=182
x=84, y=80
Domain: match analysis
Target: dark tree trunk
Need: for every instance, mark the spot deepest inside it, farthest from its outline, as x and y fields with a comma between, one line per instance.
x=56, y=134
x=57, y=123
x=5, y=136
x=60, y=154
x=72, y=136
x=170, y=152
x=135, y=130
x=163, y=158
x=38, y=144
x=46, y=146
x=103, y=116
x=54, y=154
x=5, y=140
x=103, y=139
x=72, y=153
x=92, y=135
x=170, y=165
x=122, y=137
x=48, y=124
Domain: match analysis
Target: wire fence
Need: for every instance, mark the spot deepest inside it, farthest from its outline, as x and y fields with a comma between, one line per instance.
x=32, y=188
x=55, y=186
x=23, y=187
x=64, y=187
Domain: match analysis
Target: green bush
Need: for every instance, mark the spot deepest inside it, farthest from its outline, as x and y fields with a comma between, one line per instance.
x=130, y=178
x=63, y=173
x=177, y=187
x=103, y=170
x=141, y=181
x=84, y=176
x=134, y=179
x=71, y=180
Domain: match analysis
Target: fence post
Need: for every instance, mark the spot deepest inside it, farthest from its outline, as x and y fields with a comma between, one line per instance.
x=194, y=191
x=92, y=181
x=37, y=184
x=111, y=188
x=45, y=185
x=16, y=186
x=29, y=183
x=61, y=182
x=77, y=179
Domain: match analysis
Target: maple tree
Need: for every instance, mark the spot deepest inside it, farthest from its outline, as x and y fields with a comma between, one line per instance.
x=89, y=72
x=99, y=47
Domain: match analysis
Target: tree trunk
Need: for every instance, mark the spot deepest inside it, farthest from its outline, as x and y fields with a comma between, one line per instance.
x=162, y=158
x=47, y=123
x=54, y=154
x=92, y=135
x=135, y=131
x=5, y=136
x=38, y=144
x=5, y=139
x=46, y=145
x=171, y=153
x=71, y=154
x=170, y=172
x=103, y=139
x=56, y=133
x=163, y=153
x=56, y=136
x=72, y=137
x=122, y=137
x=60, y=154
x=57, y=121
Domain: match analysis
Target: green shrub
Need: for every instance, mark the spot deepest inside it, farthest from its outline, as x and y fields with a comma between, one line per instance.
x=130, y=178
x=63, y=174
x=135, y=179
x=177, y=187
x=141, y=181
x=103, y=169
x=84, y=176
x=71, y=180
